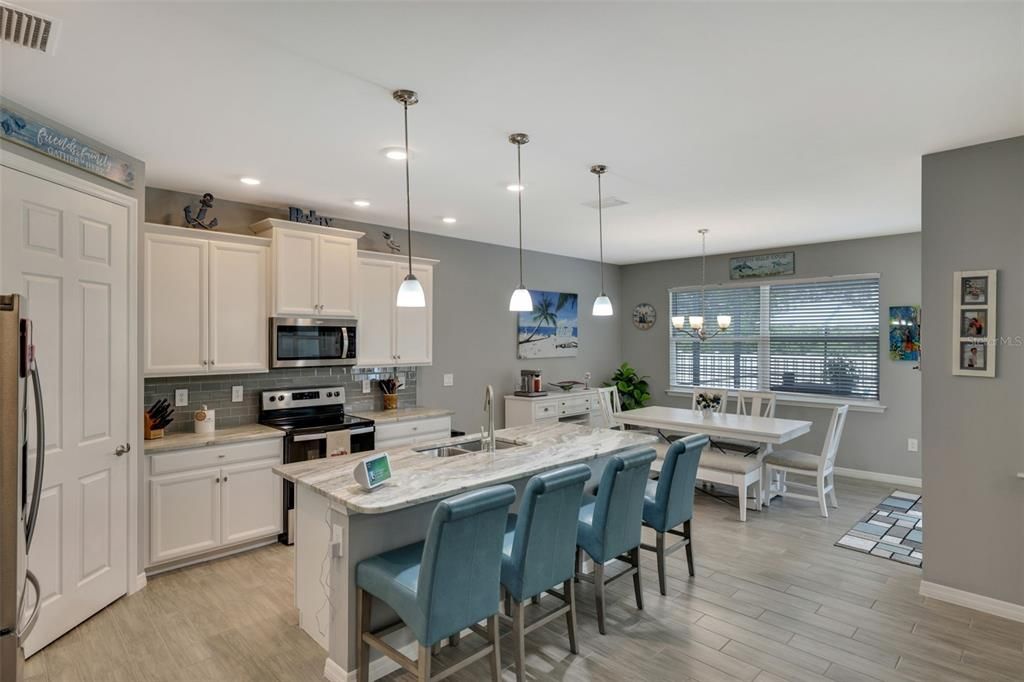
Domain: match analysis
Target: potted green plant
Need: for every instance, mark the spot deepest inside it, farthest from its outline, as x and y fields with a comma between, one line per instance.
x=633, y=388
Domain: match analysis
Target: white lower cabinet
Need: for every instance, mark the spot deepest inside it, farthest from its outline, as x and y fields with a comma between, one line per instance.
x=400, y=434
x=204, y=499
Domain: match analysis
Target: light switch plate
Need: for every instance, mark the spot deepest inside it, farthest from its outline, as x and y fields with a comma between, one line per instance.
x=236, y=394
x=911, y=445
x=181, y=397
x=366, y=385
x=449, y=379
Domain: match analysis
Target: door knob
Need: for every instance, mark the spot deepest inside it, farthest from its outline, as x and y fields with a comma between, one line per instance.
x=121, y=449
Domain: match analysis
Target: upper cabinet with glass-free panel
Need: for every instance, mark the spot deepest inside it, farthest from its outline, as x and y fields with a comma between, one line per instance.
x=314, y=269
x=389, y=335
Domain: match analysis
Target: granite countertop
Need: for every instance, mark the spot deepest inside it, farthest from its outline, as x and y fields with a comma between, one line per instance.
x=404, y=414
x=419, y=478
x=233, y=434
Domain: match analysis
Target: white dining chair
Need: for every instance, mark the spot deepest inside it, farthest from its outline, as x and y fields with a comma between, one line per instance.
x=611, y=405
x=781, y=462
x=754, y=404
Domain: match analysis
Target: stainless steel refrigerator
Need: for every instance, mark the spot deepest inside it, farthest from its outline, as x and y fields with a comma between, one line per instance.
x=19, y=493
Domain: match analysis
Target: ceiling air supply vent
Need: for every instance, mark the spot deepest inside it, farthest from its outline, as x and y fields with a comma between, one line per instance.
x=24, y=28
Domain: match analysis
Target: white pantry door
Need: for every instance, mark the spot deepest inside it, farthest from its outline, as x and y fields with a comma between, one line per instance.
x=67, y=251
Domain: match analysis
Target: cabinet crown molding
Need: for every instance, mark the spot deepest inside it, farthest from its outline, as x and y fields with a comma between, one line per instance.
x=396, y=257
x=268, y=224
x=208, y=235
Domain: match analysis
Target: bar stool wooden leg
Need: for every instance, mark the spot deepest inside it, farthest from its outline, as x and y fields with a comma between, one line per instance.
x=495, y=632
x=423, y=663
x=634, y=556
x=689, y=547
x=570, y=616
x=455, y=639
x=660, y=551
x=364, y=601
x=519, y=639
x=599, y=594
x=579, y=564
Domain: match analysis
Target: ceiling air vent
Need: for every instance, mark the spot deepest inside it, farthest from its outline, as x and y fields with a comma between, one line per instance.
x=27, y=29
x=609, y=202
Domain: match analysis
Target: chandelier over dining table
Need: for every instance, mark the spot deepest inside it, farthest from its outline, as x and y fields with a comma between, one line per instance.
x=698, y=329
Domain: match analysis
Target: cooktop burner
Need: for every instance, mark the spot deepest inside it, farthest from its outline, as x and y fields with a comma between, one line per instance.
x=308, y=408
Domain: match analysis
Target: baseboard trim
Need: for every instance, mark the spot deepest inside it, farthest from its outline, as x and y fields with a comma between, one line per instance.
x=978, y=602
x=878, y=477
x=334, y=672
x=140, y=582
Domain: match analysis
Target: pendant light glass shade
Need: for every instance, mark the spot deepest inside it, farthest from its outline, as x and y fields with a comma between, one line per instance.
x=521, y=301
x=602, y=304
x=410, y=293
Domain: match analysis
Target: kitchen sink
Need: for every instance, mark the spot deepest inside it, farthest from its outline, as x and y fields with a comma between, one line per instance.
x=465, y=448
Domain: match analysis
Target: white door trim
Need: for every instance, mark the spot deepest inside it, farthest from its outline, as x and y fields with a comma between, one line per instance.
x=59, y=177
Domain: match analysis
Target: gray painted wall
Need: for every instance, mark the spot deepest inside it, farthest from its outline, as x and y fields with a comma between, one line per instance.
x=474, y=333
x=871, y=442
x=973, y=219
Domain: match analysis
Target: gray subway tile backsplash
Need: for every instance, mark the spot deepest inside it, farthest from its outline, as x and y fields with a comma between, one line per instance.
x=215, y=392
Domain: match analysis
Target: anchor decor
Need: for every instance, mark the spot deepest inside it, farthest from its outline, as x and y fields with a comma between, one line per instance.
x=199, y=220
x=296, y=215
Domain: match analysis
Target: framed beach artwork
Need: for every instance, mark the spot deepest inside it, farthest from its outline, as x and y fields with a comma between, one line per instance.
x=974, y=322
x=551, y=329
x=905, y=332
x=766, y=265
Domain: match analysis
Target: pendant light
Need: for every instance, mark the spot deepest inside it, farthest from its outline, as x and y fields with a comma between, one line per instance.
x=521, y=300
x=602, y=304
x=410, y=293
x=697, y=329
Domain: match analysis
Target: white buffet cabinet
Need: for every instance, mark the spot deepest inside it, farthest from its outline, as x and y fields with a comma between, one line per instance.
x=205, y=302
x=204, y=501
x=573, y=406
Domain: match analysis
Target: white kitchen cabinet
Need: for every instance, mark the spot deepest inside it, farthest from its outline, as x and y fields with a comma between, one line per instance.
x=579, y=406
x=206, y=499
x=411, y=432
x=205, y=302
x=184, y=514
x=314, y=269
x=389, y=335
x=175, y=304
x=250, y=497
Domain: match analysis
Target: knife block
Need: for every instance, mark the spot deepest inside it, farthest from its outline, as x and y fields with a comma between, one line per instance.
x=149, y=433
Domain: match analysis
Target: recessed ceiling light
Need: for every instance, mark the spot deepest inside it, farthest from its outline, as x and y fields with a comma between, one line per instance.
x=395, y=153
x=361, y=203
x=250, y=181
x=515, y=188
x=449, y=220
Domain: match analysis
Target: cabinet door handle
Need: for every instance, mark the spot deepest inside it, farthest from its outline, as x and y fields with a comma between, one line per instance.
x=213, y=362
x=218, y=479
x=204, y=363
x=121, y=449
x=225, y=478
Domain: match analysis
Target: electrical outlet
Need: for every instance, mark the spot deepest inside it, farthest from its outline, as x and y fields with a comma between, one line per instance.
x=181, y=397
x=911, y=445
x=449, y=379
x=236, y=394
x=366, y=385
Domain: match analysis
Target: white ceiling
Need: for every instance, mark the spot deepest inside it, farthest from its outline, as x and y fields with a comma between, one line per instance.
x=771, y=124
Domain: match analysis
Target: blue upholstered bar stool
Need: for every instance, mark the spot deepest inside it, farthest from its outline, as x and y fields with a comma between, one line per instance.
x=609, y=523
x=540, y=543
x=668, y=501
x=448, y=582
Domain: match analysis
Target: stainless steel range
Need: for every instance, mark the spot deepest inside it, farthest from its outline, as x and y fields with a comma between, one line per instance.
x=315, y=426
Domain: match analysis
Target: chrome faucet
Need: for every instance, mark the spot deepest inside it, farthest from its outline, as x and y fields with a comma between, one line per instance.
x=489, y=409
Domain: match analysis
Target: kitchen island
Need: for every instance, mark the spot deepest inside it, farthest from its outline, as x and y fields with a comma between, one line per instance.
x=339, y=524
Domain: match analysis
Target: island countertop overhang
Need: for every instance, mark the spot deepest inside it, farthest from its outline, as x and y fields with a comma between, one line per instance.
x=418, y=478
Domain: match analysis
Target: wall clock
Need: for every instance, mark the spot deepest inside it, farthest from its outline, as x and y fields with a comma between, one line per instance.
x=644, y=316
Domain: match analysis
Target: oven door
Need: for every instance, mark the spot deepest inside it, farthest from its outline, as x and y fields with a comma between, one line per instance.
x=312, y=342
x=298, y=447
x=361, y=439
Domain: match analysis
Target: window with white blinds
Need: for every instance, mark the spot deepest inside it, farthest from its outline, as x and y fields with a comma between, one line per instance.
x=811, y=337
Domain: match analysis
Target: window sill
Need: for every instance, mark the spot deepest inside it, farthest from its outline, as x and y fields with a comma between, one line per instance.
x=870, y=406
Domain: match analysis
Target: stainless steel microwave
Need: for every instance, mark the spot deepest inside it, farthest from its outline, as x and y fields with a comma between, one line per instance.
x=312, y=342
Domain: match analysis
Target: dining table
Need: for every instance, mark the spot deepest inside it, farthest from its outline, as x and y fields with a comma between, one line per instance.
x=763, y=431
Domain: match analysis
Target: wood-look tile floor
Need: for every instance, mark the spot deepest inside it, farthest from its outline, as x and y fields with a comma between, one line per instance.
x=772, y=600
